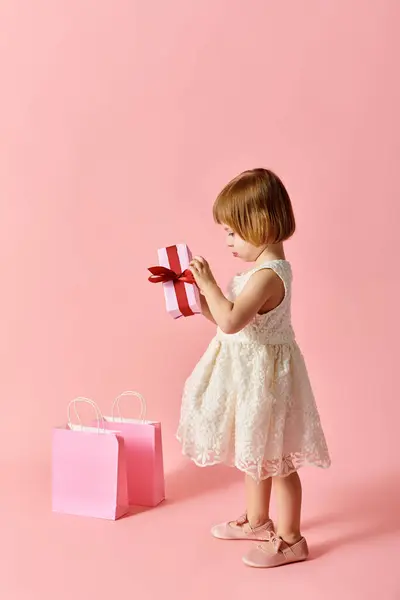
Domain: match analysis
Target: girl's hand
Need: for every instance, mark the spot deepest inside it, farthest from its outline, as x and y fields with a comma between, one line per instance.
x=202, y=274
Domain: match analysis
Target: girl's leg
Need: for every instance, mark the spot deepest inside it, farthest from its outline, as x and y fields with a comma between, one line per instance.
x=293, y=548
x=256, y=521
x=258, y=496
x=288, y=497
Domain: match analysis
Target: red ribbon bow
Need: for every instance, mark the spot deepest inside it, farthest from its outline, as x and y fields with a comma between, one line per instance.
x=162, y=275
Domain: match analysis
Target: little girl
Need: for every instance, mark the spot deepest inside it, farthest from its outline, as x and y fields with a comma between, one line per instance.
x=248, y=402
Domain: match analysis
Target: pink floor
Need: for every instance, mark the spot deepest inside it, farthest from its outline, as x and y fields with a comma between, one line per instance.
x=353, y=528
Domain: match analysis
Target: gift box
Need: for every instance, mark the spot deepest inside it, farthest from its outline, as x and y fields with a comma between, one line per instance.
x=182, y=296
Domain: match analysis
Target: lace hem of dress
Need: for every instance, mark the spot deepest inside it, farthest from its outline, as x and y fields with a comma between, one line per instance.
x=279, y=467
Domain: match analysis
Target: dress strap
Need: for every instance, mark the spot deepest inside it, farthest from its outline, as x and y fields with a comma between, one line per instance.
x=281, y=267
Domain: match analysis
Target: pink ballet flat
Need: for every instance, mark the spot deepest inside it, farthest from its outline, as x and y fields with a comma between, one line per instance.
x=242, y=530
x=275, y=552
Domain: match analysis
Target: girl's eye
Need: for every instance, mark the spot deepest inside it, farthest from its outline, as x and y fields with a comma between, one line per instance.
x=230, y=233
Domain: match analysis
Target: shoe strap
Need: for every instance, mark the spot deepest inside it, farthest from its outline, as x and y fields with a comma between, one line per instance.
x=242, y=520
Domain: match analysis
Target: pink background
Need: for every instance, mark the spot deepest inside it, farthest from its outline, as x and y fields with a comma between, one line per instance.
x=120, y=121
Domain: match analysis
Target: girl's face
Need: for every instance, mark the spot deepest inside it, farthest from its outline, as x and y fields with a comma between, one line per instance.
x=240, y=248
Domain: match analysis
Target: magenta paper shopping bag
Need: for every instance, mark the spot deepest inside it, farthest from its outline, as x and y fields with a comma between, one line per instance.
x=89, y=470
x=144, y=455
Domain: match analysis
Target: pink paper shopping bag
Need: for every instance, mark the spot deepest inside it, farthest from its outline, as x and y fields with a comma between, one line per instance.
x=89, y=469
x=144, y=455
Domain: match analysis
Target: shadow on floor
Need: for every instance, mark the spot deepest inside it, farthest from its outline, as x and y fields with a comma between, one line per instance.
x=190, y=481
x=363, y=511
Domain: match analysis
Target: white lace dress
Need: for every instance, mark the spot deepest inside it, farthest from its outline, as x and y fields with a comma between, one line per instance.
x=249, y=402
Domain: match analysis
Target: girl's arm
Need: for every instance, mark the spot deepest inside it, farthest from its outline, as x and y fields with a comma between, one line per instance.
x=231, y=317
x=205, y=310
x=261, y=291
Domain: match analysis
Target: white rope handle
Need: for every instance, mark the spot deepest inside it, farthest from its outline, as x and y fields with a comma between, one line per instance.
x=129, y=393
x=83, y=400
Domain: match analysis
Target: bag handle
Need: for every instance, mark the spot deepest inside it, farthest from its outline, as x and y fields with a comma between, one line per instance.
x=129, y=393
x=83, y=400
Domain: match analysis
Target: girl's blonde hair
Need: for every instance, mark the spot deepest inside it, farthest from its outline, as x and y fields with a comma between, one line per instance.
x=257, y=207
